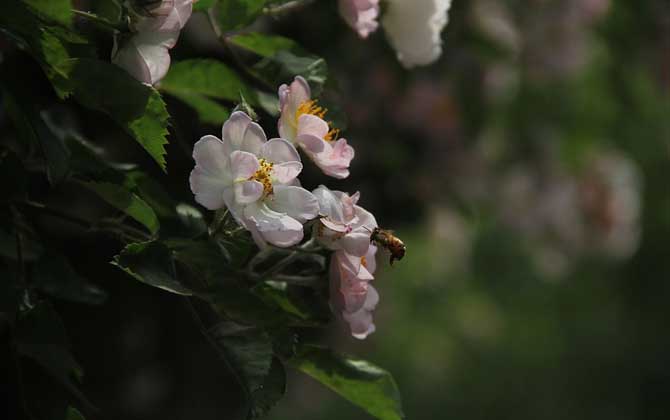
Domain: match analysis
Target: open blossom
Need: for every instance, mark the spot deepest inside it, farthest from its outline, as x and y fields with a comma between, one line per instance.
x=343, y=224
x=351, y=294
x=145, y=55
x=361, y=15
x=254, y=178
x=161, y=15
x=414, y=27
x=301, y=122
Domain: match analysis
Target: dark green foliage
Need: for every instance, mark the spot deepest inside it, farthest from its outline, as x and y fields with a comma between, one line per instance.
x=359, y=381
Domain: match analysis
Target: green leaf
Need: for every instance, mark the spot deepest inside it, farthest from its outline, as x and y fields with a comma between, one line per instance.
x=57, y=10
x=54, y=276
x=73, y=414
x=203, y=5
x=364, y=384
x=129, y=203
x=236, y=14
x=248, y=349
x=209, y=111
x=136, y=107
x=199, y=82
x=151, y=263
x=262, y=44
x=282, y=60
x=31, y=250
x=273, y=390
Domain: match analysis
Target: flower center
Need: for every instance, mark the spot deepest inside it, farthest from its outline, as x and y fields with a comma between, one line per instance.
x=263, y=175
x=364, y=262
x=312, y=107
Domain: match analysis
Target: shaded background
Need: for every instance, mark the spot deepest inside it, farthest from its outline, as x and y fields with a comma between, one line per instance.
x=528, y=173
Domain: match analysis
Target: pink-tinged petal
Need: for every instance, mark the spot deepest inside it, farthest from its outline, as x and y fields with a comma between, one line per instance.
x=298, y=93
x=296, y=202
x=212, y=173
x=365, y=221
x=209, y=154
x=361, y=322
x=335, y=160
x=309, y=124
x=168, y=15
x=208, y=189
x=243, y=165
x=371, y=259
x=248, y=191
x=290, y=99
x=330, y=204
x=285, y=173
x=254, y=139
x=277, y=228
x=356, y=243
x=129, y=58
x=312, y=145
x=234, y=129
x=279, y=151
x=337, y=228
x=361, y=15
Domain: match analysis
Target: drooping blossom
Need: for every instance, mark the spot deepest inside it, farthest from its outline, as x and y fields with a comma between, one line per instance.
x=351, y=294
x=343, y=224
x=301, y=122
x=255, y=179
x=156, y=25
x=160, y=15
x=361, y=15
x=414, y=29
x=145, y=55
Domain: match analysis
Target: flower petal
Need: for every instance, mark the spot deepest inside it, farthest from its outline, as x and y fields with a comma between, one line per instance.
x=277, y=228
x=254, y=138
x=285, y=173
x=248, y=191
x=243, y=165
x=309, y=124
x=296, y=202
x=234, y=129
x=279, y=151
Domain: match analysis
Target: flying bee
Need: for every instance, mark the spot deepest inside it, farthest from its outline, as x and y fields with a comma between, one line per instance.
x=386, y=239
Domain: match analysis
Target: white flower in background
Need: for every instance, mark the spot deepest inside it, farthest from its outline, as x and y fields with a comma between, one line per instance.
x=361, y=15
x=145, y=56
x=414, y=29
x=156, y=23
x=343, y=224
x=160, y=15
x=255, y=179
x=301, y=122
x=351, y=294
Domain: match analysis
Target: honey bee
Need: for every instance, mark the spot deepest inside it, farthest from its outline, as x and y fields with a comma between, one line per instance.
x=386, y=239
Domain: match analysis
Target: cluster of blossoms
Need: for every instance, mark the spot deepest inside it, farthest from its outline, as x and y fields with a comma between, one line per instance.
x=255, y=179
x=155, y=25
x=413, y=27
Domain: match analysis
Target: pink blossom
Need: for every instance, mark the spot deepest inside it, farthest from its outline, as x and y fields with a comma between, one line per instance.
x=351, y=294
x=145, y=55
x=254, y=178
x=343, y=224
x=361, y=15
x=301, y=122
x=163, y=16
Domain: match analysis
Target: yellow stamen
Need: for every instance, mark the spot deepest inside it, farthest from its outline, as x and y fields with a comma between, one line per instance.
x=263, y=175
x=364, y=262
x=312, y=107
